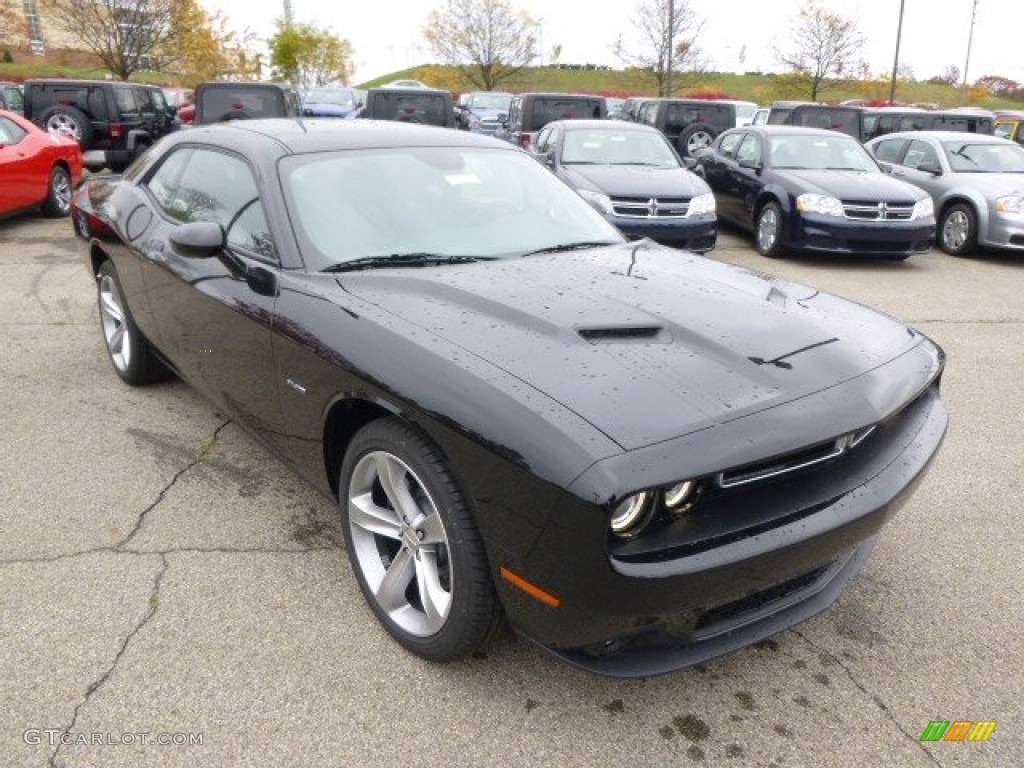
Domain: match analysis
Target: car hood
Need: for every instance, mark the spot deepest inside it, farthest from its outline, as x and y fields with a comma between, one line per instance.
x=852, y=185
x=326, y=108
x=634, y=180
x=645, y=343
x=989, y=184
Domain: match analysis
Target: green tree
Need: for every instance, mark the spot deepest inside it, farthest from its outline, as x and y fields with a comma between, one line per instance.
x=203, y=47
x=488, y=40
x=822, y=44
x=664, y=43
x=308, y=56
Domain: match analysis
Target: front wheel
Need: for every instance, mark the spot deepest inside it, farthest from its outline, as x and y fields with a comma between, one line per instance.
x=958, y=230
x=768, y=231
x=413, y=544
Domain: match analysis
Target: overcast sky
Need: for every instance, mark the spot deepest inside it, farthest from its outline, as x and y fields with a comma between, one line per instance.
x=387, y=34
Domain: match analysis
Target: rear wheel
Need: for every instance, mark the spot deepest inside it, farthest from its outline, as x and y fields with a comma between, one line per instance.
x=130, y=352
x=413, y=544
x=58, y=198
x=695, y=138
x=68, y=121
x=958, y=230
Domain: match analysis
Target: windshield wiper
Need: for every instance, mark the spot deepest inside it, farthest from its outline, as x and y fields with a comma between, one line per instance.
x=401, y=260
x=569, y=247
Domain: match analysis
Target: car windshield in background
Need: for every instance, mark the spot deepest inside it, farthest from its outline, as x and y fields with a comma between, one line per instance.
x=609, y=147
x=255, y=103
x=448, y=202
x=500, y=101
x=965, y=157
x=340, y=96
x=745, y=111
x=838, y=153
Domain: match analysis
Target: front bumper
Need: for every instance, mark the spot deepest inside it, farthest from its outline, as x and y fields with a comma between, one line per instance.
x=1004, y=230
x=814, y=233
x=786, y=551
x=698, y=234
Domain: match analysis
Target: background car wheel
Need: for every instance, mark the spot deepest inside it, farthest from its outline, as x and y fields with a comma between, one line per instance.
x=413, y=544
x=958, y=230
x=768, y=231
x=130, y=352
x=58, y=198
x=70, y=122
x=694, y=138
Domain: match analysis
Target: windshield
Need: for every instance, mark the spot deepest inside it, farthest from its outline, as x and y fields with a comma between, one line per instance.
x=965, y=157
x=805, y=152
x=446, y=201
x=340, y=96
x=745, y=111
x=498, y=101
x=602, y=146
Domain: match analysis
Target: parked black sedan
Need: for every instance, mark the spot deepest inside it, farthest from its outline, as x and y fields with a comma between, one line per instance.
x=642, y=457
x=817, y=191
x=633, y=176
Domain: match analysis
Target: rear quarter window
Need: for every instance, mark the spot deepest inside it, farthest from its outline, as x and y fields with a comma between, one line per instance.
x=547, y=110
x=220, y=103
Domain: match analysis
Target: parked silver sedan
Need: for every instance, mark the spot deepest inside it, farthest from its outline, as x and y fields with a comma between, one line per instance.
x=976, y=181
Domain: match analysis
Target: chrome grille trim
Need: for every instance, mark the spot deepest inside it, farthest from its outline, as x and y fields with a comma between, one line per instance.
x=651, y=207
x=877, y=211
x=793, y=461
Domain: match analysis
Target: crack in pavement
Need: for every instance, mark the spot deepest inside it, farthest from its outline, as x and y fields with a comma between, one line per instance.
x=878, y=702
x=170, y=551
x=152, y=604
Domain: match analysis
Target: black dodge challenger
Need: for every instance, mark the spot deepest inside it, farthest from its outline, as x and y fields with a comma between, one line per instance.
x=641, y=457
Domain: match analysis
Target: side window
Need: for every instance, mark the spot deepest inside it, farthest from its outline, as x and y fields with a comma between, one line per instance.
x=127, y=107
x=542, y=139
x=205, y=185
x=648, y=114
x=890, y=151
x=10, y=131
x=14, y=100
x=728, y=145
x=749, y=150
x=919, y=154
x=1003, y=130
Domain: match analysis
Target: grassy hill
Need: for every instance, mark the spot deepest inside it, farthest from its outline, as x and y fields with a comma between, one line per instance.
x=757, y=87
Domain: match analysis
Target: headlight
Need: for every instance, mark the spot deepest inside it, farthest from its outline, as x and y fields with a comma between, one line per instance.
x=702, y=204
x=680, y=497
x=631, y=514
x=602, y=202
x=1010, y=204
x=824, y=204
x=924, y=209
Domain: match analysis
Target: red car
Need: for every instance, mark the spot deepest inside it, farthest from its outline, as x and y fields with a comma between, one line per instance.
x=36, y=168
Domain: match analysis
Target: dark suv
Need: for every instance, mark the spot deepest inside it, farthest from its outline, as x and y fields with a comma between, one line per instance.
x=218, y=101
x=690, y=124
x=118, y=119
x=866, y=123
x=529, y=112
x=429, y=106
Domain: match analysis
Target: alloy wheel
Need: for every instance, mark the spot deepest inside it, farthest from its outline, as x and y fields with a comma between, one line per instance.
x=400, y=543
x=61, y=188
x=64, y=124
x=956, y=230
x=767, y=230
x=698, y=141
x=115, y=330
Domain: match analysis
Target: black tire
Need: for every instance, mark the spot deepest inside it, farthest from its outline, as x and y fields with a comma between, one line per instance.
x=958, y=230
x=446, y=549
x=70, y=121
x=129, y=350
x=768, y=231
x=58, y=197
x=694, y=138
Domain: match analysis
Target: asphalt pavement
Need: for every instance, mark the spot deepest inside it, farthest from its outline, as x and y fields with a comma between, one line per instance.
x=172, y=595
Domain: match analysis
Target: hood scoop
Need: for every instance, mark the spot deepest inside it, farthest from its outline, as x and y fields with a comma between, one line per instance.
x=623, y=333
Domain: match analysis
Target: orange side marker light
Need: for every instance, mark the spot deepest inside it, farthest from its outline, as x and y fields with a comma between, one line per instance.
x=530, y=589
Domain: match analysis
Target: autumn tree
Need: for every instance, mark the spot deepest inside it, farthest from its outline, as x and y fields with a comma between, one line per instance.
x=822, y=44
x=664, y=42
x=12, y=23
x=203, y=46
x=308, y=56
x=489, y=40
x=126, y=35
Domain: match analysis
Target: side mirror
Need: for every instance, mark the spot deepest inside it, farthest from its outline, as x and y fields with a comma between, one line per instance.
x=198, y=239
x=751, y=164
x=689, y=162
x=932, y=168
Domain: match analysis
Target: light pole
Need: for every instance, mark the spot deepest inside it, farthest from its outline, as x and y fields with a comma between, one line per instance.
x=967, y=61
x=896, y=58
x=668, y=53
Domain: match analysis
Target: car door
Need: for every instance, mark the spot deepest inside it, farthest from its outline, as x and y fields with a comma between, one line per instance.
x=716, y=170
x=921, y=158
x=746, y=179
x=215, y=314
x=22, y=181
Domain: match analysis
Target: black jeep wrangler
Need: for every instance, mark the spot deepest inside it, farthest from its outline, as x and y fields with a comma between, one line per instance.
x=118, y=119
x=428, y=106
x=529, y=112
x=218, y=101
x=690, y=124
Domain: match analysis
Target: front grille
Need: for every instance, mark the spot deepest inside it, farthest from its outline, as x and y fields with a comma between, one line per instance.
x=651, y=207
x=862, y=210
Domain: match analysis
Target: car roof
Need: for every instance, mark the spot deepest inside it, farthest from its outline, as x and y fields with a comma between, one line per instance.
x=611, y=125
x=301, y=135
x=788, y=130
x=945, y=136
